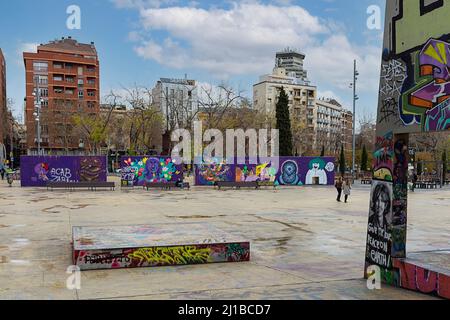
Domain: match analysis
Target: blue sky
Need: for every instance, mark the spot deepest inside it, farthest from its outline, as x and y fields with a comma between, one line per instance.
x=140, y=41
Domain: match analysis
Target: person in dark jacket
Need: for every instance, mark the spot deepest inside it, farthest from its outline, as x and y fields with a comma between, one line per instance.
x=339, y=184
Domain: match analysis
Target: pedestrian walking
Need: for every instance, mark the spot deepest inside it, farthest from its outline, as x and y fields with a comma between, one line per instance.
x=347, y=189
x=339, y=185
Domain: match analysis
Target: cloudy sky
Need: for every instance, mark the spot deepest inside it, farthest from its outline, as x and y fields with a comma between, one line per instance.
x=140, y=41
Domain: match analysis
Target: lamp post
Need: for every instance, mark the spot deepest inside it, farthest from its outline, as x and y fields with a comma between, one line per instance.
x=355, y=98
x=37, y=113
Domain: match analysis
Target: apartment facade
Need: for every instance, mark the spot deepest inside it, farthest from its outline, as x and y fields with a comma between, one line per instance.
x=302, y=105
x=63, y=78
x=3, y=106
x=178, y=101
x=334, y=126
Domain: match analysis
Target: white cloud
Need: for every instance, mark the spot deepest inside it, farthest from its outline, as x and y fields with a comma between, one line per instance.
x=25, y=47
x=243, y=39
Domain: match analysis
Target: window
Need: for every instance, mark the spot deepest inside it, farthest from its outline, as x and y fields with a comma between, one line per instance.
x=80, y=71
x=42, y=80
x=70, y=79
x=58, y=90
x=43, y=92
x=69, y=104
x=90, y=69
x=80, y=82
x=91, y=93
x=80, y=94
x=57, y=78
x=91, y=81
x=91, y=105
x=69, y=91
x=40, y=66
x=44, y=103
x=57, y=65
x=69, y=66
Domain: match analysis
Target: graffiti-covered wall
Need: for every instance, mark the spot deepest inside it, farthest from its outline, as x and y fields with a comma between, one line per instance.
x=414, y=96
x=37, y=170
x=139, y=170
x=289, y=171
x=415, y=71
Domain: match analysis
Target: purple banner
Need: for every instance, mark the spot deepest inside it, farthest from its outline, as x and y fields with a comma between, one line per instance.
x=290, y=171
x=35, y=171
x=137, y=170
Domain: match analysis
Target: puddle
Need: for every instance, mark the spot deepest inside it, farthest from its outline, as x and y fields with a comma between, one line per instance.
x=20, y=262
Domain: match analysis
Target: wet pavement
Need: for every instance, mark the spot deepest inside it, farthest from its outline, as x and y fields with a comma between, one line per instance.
x=304, y=245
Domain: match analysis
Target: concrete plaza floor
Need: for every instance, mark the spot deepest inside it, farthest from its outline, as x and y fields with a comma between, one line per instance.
x=304, y=245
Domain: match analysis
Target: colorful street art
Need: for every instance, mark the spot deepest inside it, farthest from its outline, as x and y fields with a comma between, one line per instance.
x=297, y=171
x=383, y=157
x=261, y=172
x=424, y=278
x=212, y=171
x=136, y=171
x=414, y=97
x=154, y=246
x=37, y=170
x=415, y=72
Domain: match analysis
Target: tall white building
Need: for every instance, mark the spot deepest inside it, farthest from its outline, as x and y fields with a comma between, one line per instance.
x=292, y=61
x=178, y=101
x=302, y=105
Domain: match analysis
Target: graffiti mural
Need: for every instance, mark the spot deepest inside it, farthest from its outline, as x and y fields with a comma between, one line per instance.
x=140, y=170
x=414, y=97
x=383, y=157
x=212, y=171
x=379, y=235
x=261, y=172
x=292, y=171
x=415, y=72
x=36, y=171
x=422, y=279
x=154, y=246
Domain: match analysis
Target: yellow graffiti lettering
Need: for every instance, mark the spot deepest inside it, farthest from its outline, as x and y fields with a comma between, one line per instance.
x=171, y=255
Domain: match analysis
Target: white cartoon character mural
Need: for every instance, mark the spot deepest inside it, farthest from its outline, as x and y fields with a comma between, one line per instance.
x=316, y=173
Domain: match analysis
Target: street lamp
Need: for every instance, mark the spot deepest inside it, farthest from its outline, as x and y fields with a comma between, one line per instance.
x=355, y=98
x=37, y=113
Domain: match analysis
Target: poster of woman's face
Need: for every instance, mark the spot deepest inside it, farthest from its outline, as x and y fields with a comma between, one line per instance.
x=381, y=204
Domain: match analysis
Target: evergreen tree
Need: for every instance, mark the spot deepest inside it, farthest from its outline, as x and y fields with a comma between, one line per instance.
x=284, y=124
x=342, y=162
x=322, y=154
x=364, y=159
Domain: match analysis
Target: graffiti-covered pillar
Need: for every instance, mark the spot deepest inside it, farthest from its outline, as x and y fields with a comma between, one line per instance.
x=414, y=97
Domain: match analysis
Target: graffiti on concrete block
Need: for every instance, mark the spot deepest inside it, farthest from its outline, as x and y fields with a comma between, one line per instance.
x=420, y=279
x=162, y=256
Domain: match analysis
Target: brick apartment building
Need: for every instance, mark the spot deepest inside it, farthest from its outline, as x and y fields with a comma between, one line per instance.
x=3, y=107
x=65, y=75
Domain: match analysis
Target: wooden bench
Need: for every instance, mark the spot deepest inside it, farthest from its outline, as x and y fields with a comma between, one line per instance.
x=269, y=184
x=366, y=181
x=237, y=185
x=90, y=185
x=166, y=185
